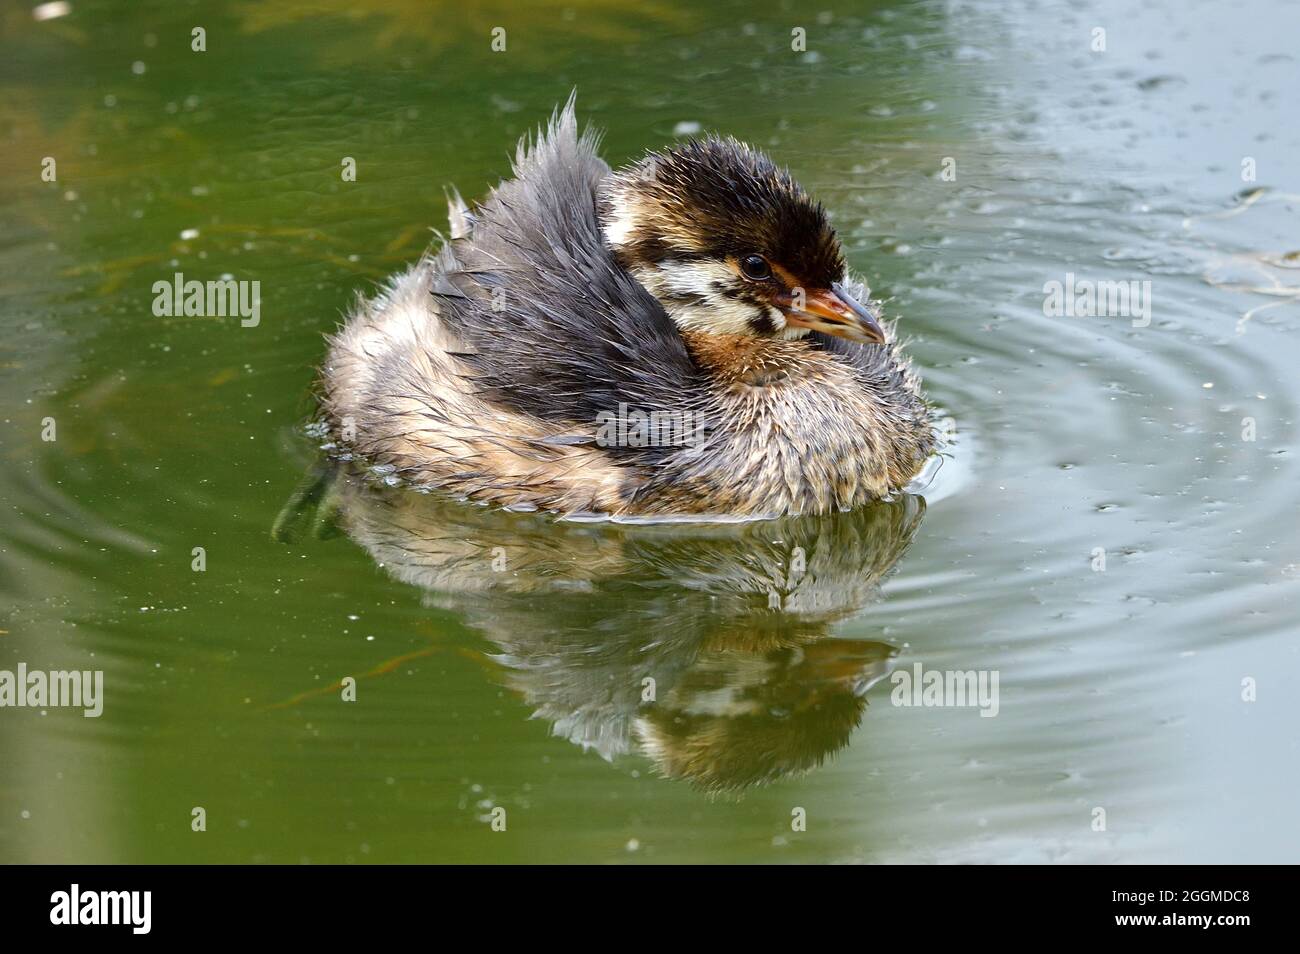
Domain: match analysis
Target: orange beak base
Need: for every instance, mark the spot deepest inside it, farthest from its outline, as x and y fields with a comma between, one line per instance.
x=833, y=311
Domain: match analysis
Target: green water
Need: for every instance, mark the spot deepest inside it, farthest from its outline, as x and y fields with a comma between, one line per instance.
x=500, y=660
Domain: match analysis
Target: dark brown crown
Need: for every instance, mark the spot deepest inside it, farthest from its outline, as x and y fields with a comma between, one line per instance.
x=719, y=198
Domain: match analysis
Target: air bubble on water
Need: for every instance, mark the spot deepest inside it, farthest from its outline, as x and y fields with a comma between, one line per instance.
x=51, y=11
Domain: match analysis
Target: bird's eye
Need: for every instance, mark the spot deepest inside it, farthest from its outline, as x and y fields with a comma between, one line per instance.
x=755, y=267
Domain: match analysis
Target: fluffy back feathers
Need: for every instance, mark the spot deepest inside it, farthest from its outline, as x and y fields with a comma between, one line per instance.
x=551, y=325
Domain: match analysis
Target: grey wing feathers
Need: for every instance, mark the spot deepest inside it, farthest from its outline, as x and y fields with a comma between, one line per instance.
x=460, y=219
x=551, y=326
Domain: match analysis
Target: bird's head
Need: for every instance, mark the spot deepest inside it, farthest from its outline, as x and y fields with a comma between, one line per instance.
x=731, y=245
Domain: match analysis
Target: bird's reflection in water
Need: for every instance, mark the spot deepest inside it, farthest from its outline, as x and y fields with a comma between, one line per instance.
x=708, y=647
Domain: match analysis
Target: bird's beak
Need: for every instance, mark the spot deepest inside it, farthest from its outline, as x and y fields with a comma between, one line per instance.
x=832, y=311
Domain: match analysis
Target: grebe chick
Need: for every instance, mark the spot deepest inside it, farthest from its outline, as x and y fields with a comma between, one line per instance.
x=681, y=336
